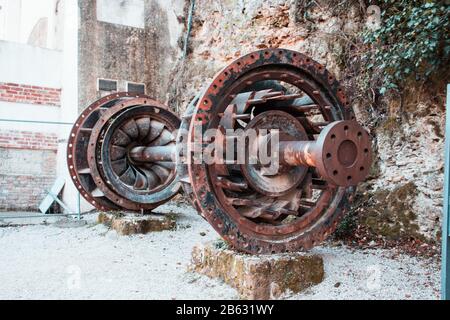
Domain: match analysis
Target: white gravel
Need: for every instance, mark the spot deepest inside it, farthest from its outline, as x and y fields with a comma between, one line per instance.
x=93, y=262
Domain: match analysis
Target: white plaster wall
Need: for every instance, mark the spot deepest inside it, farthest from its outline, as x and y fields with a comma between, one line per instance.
x=19, y=17
x=24, y=64
x=10, y=18
x=124, y=12
x=173, y=8
x=22, y=111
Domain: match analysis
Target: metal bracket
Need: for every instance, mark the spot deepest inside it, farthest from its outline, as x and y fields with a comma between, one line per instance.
x=52, y=196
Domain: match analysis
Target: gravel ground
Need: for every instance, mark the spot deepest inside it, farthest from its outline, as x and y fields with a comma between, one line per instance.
x=93, y=262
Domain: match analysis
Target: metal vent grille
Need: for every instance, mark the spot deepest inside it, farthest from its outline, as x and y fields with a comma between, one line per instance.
x=136, y=87
x=107, y=85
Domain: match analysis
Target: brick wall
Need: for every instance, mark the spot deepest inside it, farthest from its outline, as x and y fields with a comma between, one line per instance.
x=27, y=168
x=28, y=140
x=13, y=92
x=23, y=192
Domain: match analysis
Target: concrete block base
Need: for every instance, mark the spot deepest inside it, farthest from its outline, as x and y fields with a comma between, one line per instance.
x=258, y=277
x=136, y=224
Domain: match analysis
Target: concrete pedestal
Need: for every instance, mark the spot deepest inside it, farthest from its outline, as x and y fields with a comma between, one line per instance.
x=136, y=224
x=258, y=277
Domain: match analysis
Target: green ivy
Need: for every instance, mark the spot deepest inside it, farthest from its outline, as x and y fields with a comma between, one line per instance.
x=411, y=42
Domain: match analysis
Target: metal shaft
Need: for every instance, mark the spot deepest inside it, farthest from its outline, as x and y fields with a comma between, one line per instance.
x=298, y=153
x=341, y=153
x=153, y=154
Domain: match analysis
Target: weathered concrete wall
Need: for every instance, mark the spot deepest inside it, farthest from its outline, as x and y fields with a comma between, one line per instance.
x=123, y=48
x=409, y=155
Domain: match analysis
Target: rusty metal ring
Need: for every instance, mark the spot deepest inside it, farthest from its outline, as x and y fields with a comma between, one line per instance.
x=77, y=148
x=298, y=70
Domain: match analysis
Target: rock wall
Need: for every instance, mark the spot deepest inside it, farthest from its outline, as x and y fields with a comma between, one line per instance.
x=410, y=152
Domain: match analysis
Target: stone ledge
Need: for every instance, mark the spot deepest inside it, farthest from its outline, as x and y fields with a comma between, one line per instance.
x=136, y=224
x=258, y=277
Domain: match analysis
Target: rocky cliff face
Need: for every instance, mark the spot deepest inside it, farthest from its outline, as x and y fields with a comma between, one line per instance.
x=404, y=196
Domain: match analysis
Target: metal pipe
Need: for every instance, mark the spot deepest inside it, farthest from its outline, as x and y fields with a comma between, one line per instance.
x=189, y=26
x=445, y=269
x=298, y=153
x=79, y=205
x=41, y=216
x=36, y=121
x=153, y=154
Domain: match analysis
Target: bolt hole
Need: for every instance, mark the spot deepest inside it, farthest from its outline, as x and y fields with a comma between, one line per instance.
x=333, y=136
x=328, y=155
x=366, y=150
x=361, y=169
x=345, y=128
x=349, y=178
x=252, y=56
x=359, y=134
x=335, y=172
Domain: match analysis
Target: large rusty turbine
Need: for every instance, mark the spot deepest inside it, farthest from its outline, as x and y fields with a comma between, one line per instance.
x=324, y=154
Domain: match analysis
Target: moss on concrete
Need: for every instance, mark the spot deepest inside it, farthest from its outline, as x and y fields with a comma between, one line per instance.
x=392, y=213
x=258, y=277
x=133, y=224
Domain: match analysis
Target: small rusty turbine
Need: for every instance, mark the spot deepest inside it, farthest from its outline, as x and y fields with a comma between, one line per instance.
x=100, y=153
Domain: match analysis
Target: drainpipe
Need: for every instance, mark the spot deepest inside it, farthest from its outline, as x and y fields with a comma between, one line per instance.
x=189, y=26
